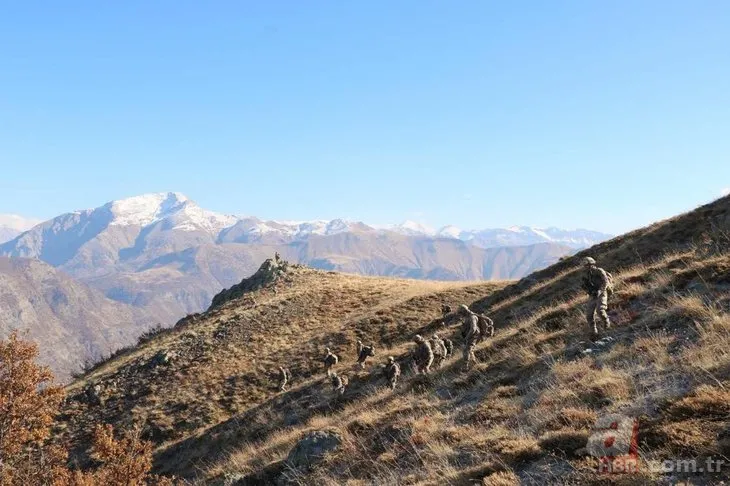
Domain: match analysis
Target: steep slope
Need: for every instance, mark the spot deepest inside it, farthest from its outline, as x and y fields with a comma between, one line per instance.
x=523, y=414
x=72, y=322
x=167, y=255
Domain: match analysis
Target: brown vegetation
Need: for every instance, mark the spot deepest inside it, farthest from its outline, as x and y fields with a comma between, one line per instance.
x=28, y=403
x=521, y=415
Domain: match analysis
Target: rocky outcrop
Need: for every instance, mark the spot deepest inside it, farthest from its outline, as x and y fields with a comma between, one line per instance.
x=268, y=273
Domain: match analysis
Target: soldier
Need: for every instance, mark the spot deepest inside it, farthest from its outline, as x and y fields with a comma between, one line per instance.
x=392, y=372
x=439, y=350
x=330, y=360
x=445, y=310
x=93, y=395
x=423, y=355
x=339, y=383
x=449, y=347
x=284, y=377
x=364, y=353
x=277, y=257
x=471, y=334
x=598, y=284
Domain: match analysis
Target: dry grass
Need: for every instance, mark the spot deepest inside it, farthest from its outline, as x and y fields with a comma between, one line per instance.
x=501, y=478
x=524, y=411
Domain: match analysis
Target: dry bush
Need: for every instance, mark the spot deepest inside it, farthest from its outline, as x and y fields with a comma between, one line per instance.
x=28, y=404
x=513, y=448
x=583, y=382
x=501, y=478
x=711, y=353
x=693, y=437
x=505, y=391
x=706, y=402
x=578, y=418
x=496, y=410
x=564, y=441
x=126, y=460
x=653, y=350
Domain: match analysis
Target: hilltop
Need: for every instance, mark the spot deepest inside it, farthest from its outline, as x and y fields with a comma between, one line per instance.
x=205, y=391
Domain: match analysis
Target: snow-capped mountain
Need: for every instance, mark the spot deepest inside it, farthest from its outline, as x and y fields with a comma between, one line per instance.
x=11, y=225
x=512, y=236
x=166, y=254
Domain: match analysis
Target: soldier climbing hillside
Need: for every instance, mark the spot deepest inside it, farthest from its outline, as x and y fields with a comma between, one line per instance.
x=330, y=360
x=364, y=352
x=392, y=372
x=440, y=352
x=598, y=283
x=471, y=334
x=422, y=355
x=339, y=383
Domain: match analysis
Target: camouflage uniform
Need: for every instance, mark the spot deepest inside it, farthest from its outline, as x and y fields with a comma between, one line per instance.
x=423, y=355
x=470, y=333
x=596, y=283
x=339, y=384
x=365, y=353
x=330, y=360
x=284, y=377
x=439, y=350
x=392, y=372
x=449, y=347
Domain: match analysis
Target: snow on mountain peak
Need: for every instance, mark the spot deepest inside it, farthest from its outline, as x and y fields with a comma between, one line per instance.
x=450, y=232
x=174, y=206
x=409, y=227
x=145, y=209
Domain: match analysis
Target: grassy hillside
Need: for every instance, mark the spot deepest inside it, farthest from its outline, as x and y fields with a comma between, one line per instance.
x=522, y=415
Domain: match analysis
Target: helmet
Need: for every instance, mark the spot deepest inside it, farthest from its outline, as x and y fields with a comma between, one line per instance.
x=464, y=308
x=589, y=261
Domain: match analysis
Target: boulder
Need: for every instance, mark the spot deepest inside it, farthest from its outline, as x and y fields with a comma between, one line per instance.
x=313, y=448
x=161, y=358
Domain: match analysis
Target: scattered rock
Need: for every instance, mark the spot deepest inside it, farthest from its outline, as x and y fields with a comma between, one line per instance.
x=161, y=358
x=313, y=447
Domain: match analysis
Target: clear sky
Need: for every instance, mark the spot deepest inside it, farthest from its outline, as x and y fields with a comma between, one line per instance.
x=598, y=114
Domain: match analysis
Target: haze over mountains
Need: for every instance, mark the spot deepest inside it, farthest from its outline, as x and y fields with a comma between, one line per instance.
x=11, y=225
x=164, y=253
x=72, y=322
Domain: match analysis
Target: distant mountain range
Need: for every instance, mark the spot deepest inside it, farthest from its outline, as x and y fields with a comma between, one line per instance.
x=167, y=255
x=512, y=236
x=71, y=322
x=11, y=225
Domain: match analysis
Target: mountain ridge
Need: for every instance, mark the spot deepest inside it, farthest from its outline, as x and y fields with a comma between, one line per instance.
x=174, y=207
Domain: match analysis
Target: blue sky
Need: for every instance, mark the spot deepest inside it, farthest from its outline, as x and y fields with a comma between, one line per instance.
x=605, y=115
